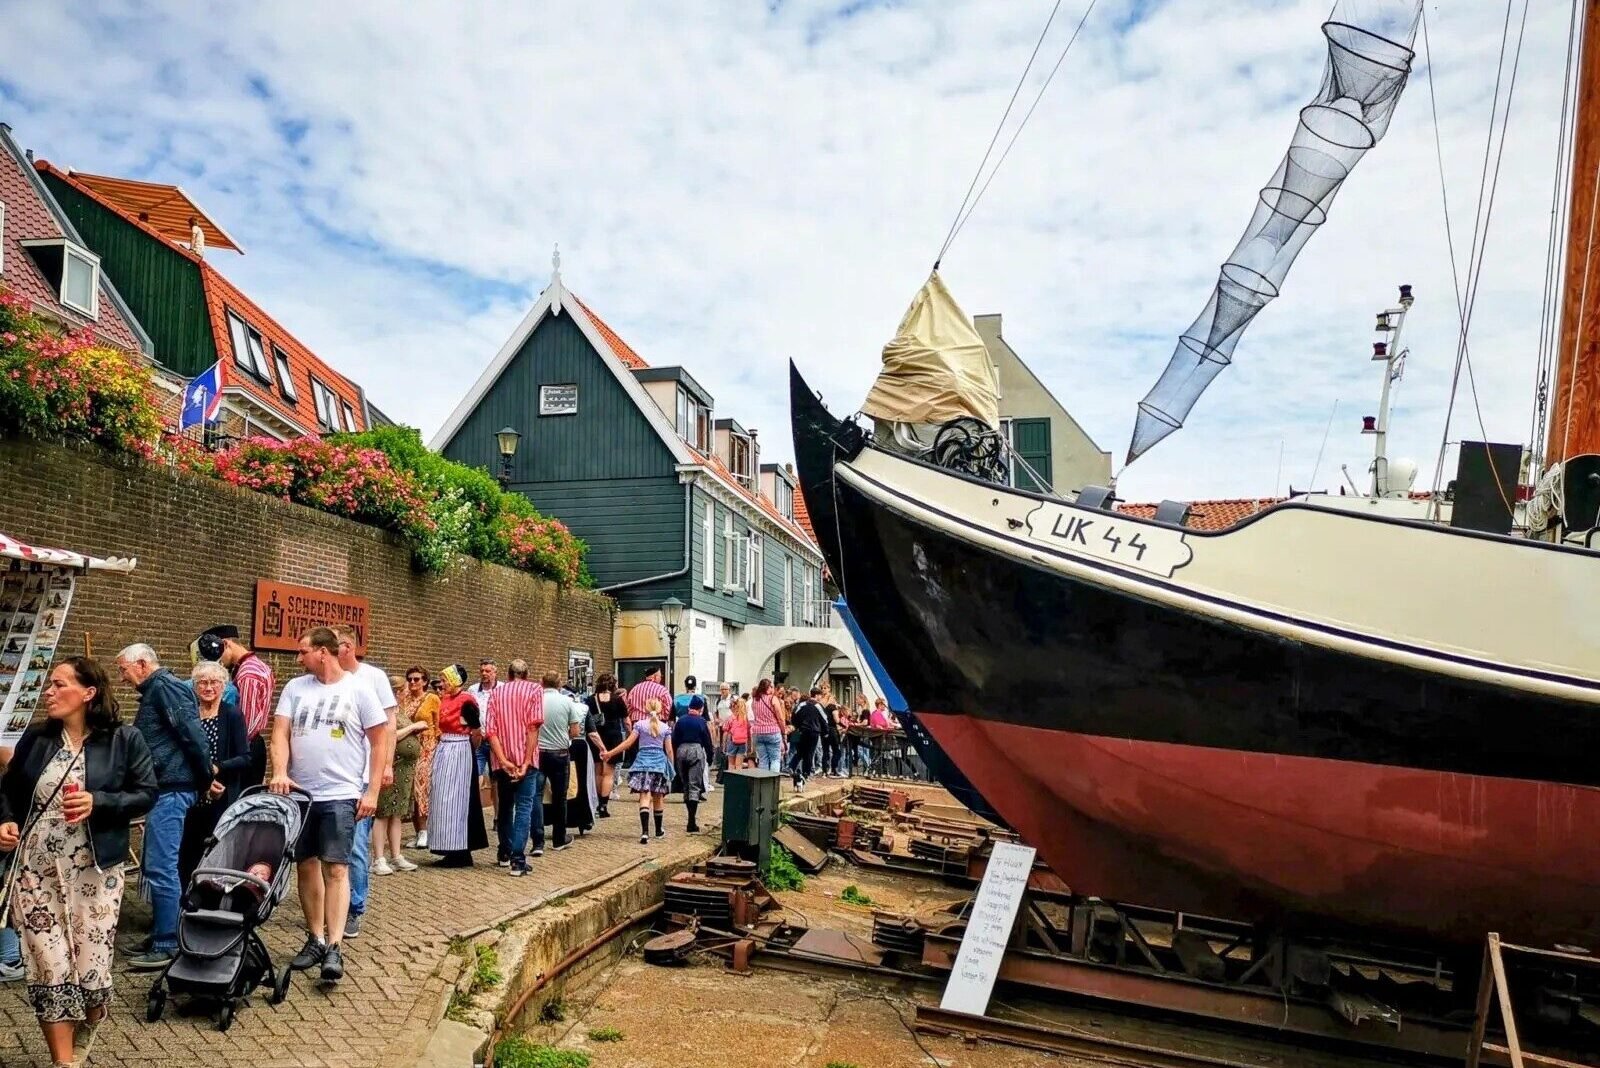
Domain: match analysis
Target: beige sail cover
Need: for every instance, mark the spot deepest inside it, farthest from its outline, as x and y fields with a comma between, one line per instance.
x=937, y=368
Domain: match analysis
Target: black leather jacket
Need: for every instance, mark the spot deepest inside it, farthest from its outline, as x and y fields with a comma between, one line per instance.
x=118, y=773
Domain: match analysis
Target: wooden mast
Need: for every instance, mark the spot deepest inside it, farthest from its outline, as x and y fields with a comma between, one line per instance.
x=1575, y=401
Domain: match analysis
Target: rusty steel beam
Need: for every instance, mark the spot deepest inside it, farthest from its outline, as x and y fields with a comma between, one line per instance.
x=1178, y=994
x=1098, y=1047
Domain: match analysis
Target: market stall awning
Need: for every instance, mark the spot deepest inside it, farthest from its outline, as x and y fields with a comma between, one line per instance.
x=38, y=554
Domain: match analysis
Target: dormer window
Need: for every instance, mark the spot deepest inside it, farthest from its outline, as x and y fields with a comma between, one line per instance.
x=248, y=351
x=72, y=269
x=785, y=501
x=694, y=421
x=285, y=379
x=741, y=460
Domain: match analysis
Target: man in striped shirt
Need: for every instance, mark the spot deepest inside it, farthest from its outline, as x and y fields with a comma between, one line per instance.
x=643, y=693
x=511, y=727
x=254, y=680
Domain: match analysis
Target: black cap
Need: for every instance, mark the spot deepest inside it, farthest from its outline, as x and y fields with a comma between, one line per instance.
x=690, y=682
x=208, y=646
x=222, y=630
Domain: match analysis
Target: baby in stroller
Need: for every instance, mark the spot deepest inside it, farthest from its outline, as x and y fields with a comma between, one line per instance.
x=239, y=881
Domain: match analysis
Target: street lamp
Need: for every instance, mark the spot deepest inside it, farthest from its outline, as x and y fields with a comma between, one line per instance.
x=672, y=619
x=507, y=439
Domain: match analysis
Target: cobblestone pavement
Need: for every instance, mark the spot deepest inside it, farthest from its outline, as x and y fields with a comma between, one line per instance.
x=365, y=1020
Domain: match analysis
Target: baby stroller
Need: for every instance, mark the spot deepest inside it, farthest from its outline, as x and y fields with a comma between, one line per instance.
x=241, y=877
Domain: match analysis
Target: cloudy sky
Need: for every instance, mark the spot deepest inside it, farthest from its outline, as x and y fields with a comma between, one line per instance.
x=736, y=184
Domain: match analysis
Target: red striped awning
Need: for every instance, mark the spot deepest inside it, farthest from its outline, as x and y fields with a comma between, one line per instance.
x=38, y=554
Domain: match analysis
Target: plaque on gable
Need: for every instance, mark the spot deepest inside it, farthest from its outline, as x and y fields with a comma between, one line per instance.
x=559, y=399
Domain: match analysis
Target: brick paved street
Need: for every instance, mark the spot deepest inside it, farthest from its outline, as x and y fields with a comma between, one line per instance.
x=381, y=1009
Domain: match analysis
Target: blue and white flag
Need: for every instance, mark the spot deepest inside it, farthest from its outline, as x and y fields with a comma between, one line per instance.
x=202, y=398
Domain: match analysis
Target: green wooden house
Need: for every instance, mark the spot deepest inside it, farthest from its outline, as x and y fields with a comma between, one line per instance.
x=673, y=501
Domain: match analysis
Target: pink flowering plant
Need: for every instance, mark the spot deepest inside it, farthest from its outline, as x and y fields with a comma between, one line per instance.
x=69, y=387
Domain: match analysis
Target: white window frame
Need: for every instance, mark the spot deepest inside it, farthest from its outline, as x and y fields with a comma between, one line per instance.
x=755, y=570
x=810, y=605
x=71, y=252
x=349, y=416
x=2, y=235
x=1011, y=452
x=280, y=362
x=785, y=501
x=253, y=354
x=327, y=405
x=788, y=591
x=708, y=547
x=730, y=562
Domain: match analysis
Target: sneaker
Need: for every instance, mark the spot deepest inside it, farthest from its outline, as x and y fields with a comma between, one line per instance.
x=693, y=828
x=310, y=954
x=503, y=862
x=381, y=867
x=352, y=925
x=422, y=840
x=644, y=839
x=153, y=961
x=12, y=973
x=402, y=864
x=538, y=851
x=332, y=965
x=661, y=834
x=563, y=845
x=519, y=870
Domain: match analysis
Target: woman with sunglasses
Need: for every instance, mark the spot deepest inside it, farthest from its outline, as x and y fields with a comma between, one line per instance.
x=395, y=801
x=421, y=704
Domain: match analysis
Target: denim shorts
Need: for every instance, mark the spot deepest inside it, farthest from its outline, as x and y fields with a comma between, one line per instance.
x=738, y=748
x=329, y=832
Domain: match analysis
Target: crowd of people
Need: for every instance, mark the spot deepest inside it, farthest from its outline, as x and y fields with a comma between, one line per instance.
x=362, y=761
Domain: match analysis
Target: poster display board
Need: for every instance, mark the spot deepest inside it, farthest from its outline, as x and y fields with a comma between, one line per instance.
x=34, y=601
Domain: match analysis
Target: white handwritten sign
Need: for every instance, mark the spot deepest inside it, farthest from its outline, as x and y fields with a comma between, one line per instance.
x=988, y=929
x=1106, y=537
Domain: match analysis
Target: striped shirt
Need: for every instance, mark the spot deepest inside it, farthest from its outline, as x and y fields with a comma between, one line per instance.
x=515, y=707
x=642, y=694
x=254, y=679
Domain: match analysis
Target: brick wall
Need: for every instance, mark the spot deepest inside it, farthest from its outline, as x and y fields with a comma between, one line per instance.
x=202, y=544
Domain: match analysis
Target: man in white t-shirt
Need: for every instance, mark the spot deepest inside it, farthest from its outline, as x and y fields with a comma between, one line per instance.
x=327, y=739
x=378, y=681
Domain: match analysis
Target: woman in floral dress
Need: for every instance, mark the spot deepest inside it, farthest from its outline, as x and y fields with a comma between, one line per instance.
x=74, y=784
x=422, y=705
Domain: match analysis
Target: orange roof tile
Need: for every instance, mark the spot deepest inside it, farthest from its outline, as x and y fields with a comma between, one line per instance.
x=167, y=208
x=1212, y=515
x=632, y=360
x=222, y=294
x=802, y=514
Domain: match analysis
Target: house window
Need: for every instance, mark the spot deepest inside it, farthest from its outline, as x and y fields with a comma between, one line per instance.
x=810, y=600
x=788, y=591
x=731, y=554
x=753, y=570
x=285, y=379
x=708, y=548
x=1030, y=449
x=349, y=417
x=785, y=501
x=2, y=235
x=694, y=421
x=739, y=459
x=327, y=407
x=247, y=350
x=74, y=270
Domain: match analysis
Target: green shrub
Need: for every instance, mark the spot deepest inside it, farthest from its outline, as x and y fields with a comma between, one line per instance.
x=780, y=872
x=605, y=1034
x=852, y=895
x=520, y=1053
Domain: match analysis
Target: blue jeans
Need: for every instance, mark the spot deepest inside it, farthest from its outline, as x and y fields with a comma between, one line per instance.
x=163, y=835
x=527, y=798
x=10, y=947
x=769, y=751
x=360, y=866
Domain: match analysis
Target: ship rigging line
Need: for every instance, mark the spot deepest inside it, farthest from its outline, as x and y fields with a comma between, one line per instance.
x=1000, y=126
x=1488, y=184
x=961, y=224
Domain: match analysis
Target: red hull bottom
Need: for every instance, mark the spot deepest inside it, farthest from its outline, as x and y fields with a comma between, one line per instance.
x=1260, y=837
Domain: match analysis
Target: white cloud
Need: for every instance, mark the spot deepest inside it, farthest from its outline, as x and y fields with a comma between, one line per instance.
x=734, y=186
